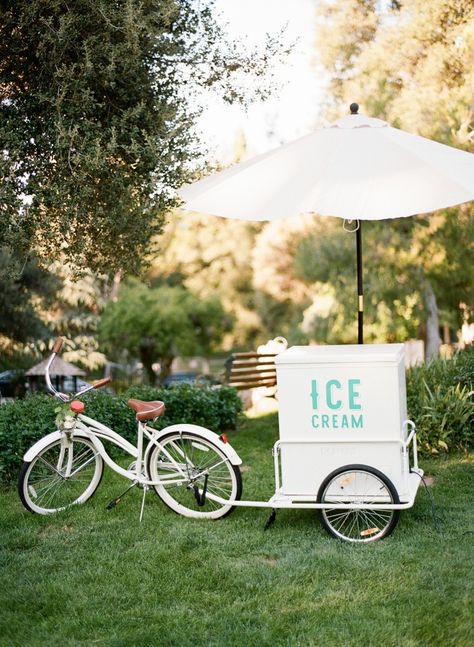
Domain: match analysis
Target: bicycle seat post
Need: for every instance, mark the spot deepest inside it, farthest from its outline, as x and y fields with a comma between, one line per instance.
x=139, y=461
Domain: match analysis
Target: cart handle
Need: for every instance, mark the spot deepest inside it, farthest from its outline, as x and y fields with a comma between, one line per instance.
x=409, y=424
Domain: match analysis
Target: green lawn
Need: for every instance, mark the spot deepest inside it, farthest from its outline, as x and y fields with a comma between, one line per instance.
x=89, y=576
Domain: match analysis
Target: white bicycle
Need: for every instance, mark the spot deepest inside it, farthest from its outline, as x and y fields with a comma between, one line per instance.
x=192, y=469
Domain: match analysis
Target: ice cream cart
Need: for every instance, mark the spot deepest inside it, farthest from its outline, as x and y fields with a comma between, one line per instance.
x=346, y=446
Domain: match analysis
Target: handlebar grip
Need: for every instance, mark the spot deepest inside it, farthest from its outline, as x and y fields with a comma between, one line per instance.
x=58, y=344
x=103, y=382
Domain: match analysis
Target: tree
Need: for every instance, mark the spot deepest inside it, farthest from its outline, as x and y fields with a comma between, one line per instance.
x=75, y=315
x=96, y=107
x=212, y=256
x=157, y=324
x=249, y=266
x=412, y=65
x=22, y=319
x=326, y=260
x=345, y=26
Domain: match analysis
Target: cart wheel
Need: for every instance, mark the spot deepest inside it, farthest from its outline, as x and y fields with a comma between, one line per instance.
x=358, y=484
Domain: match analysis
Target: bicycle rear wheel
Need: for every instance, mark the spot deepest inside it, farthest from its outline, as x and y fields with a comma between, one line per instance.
x=43, y=485
x=196, y=469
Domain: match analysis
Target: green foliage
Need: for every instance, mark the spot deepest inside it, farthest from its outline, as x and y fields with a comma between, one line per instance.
x=200, y=253
x=339, y=46
x=412, y=66
x=325, y=260
x=229, y=407
x=97, y=104
x=253, y=279
x=158, y=324
x=441, y=403
x=24, y=289
x=410, y=63
x=23, y=422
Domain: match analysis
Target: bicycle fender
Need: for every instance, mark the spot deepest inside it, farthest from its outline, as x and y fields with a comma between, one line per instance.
x=226, y=448
x=45, y=441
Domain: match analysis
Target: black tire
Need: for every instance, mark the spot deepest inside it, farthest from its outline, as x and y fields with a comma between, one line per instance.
x=224, y=479
x=44, y=490
x=362, y=484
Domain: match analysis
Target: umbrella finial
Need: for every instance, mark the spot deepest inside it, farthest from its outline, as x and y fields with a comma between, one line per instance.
x=354, y=108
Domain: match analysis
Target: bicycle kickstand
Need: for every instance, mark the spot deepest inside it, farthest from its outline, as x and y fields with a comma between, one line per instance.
x=145, y=490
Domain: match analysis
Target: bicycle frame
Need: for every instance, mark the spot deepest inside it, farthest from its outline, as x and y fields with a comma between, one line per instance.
x=94, y=431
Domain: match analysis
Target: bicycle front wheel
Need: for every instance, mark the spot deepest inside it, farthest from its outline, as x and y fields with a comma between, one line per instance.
x=191, y=470
x=60, y=475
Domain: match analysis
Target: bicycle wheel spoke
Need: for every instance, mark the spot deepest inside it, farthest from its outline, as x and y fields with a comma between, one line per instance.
x=51, y=467
x=46, y=488
x=207, y=472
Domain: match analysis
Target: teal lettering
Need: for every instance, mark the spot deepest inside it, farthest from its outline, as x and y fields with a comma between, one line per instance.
x=344, y=422
x=325, y=421
x=353, y=394
x=315, y=421
x=356, y=422
x=329, y=385
x=314, y=393
x=334, y=421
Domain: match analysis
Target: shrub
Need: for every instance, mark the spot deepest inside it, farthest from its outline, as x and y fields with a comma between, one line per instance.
x=440, y=402
x=23, y=422
x=215, y=408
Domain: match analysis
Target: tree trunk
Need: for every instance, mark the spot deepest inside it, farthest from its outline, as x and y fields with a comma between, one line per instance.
x=433, y=339
x=166, y=363
x=115, y=286
x=147, y=357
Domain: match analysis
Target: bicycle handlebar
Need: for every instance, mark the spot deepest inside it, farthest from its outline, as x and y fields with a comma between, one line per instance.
x=103, y=382
x=58, y=344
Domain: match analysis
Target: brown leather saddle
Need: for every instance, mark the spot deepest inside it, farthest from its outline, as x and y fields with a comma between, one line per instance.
x=147, y=410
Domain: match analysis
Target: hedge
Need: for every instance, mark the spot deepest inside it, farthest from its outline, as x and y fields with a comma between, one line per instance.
x=441, y=403
x=440, y=399
x=23, y=422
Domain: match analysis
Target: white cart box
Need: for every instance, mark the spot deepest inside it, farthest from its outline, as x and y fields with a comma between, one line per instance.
x=341, y=405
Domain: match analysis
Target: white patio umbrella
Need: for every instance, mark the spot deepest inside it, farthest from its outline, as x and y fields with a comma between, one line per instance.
x=358, y=168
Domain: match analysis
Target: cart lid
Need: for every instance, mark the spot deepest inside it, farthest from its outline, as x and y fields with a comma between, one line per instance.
x=342, y=354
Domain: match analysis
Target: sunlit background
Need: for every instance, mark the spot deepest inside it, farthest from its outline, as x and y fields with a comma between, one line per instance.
x=294, y=110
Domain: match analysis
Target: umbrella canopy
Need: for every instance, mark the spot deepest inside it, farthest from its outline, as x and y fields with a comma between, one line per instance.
x=358, y=168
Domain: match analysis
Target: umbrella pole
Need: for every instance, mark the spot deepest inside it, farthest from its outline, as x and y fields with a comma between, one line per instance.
x=360, y=285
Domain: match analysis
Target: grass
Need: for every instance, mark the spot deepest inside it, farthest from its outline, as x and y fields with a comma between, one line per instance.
x=89, y=577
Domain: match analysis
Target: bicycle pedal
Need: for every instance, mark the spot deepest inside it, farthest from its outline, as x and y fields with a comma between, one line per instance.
x=117, y=500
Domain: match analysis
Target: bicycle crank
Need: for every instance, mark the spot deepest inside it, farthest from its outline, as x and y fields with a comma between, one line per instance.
x=116, y=501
